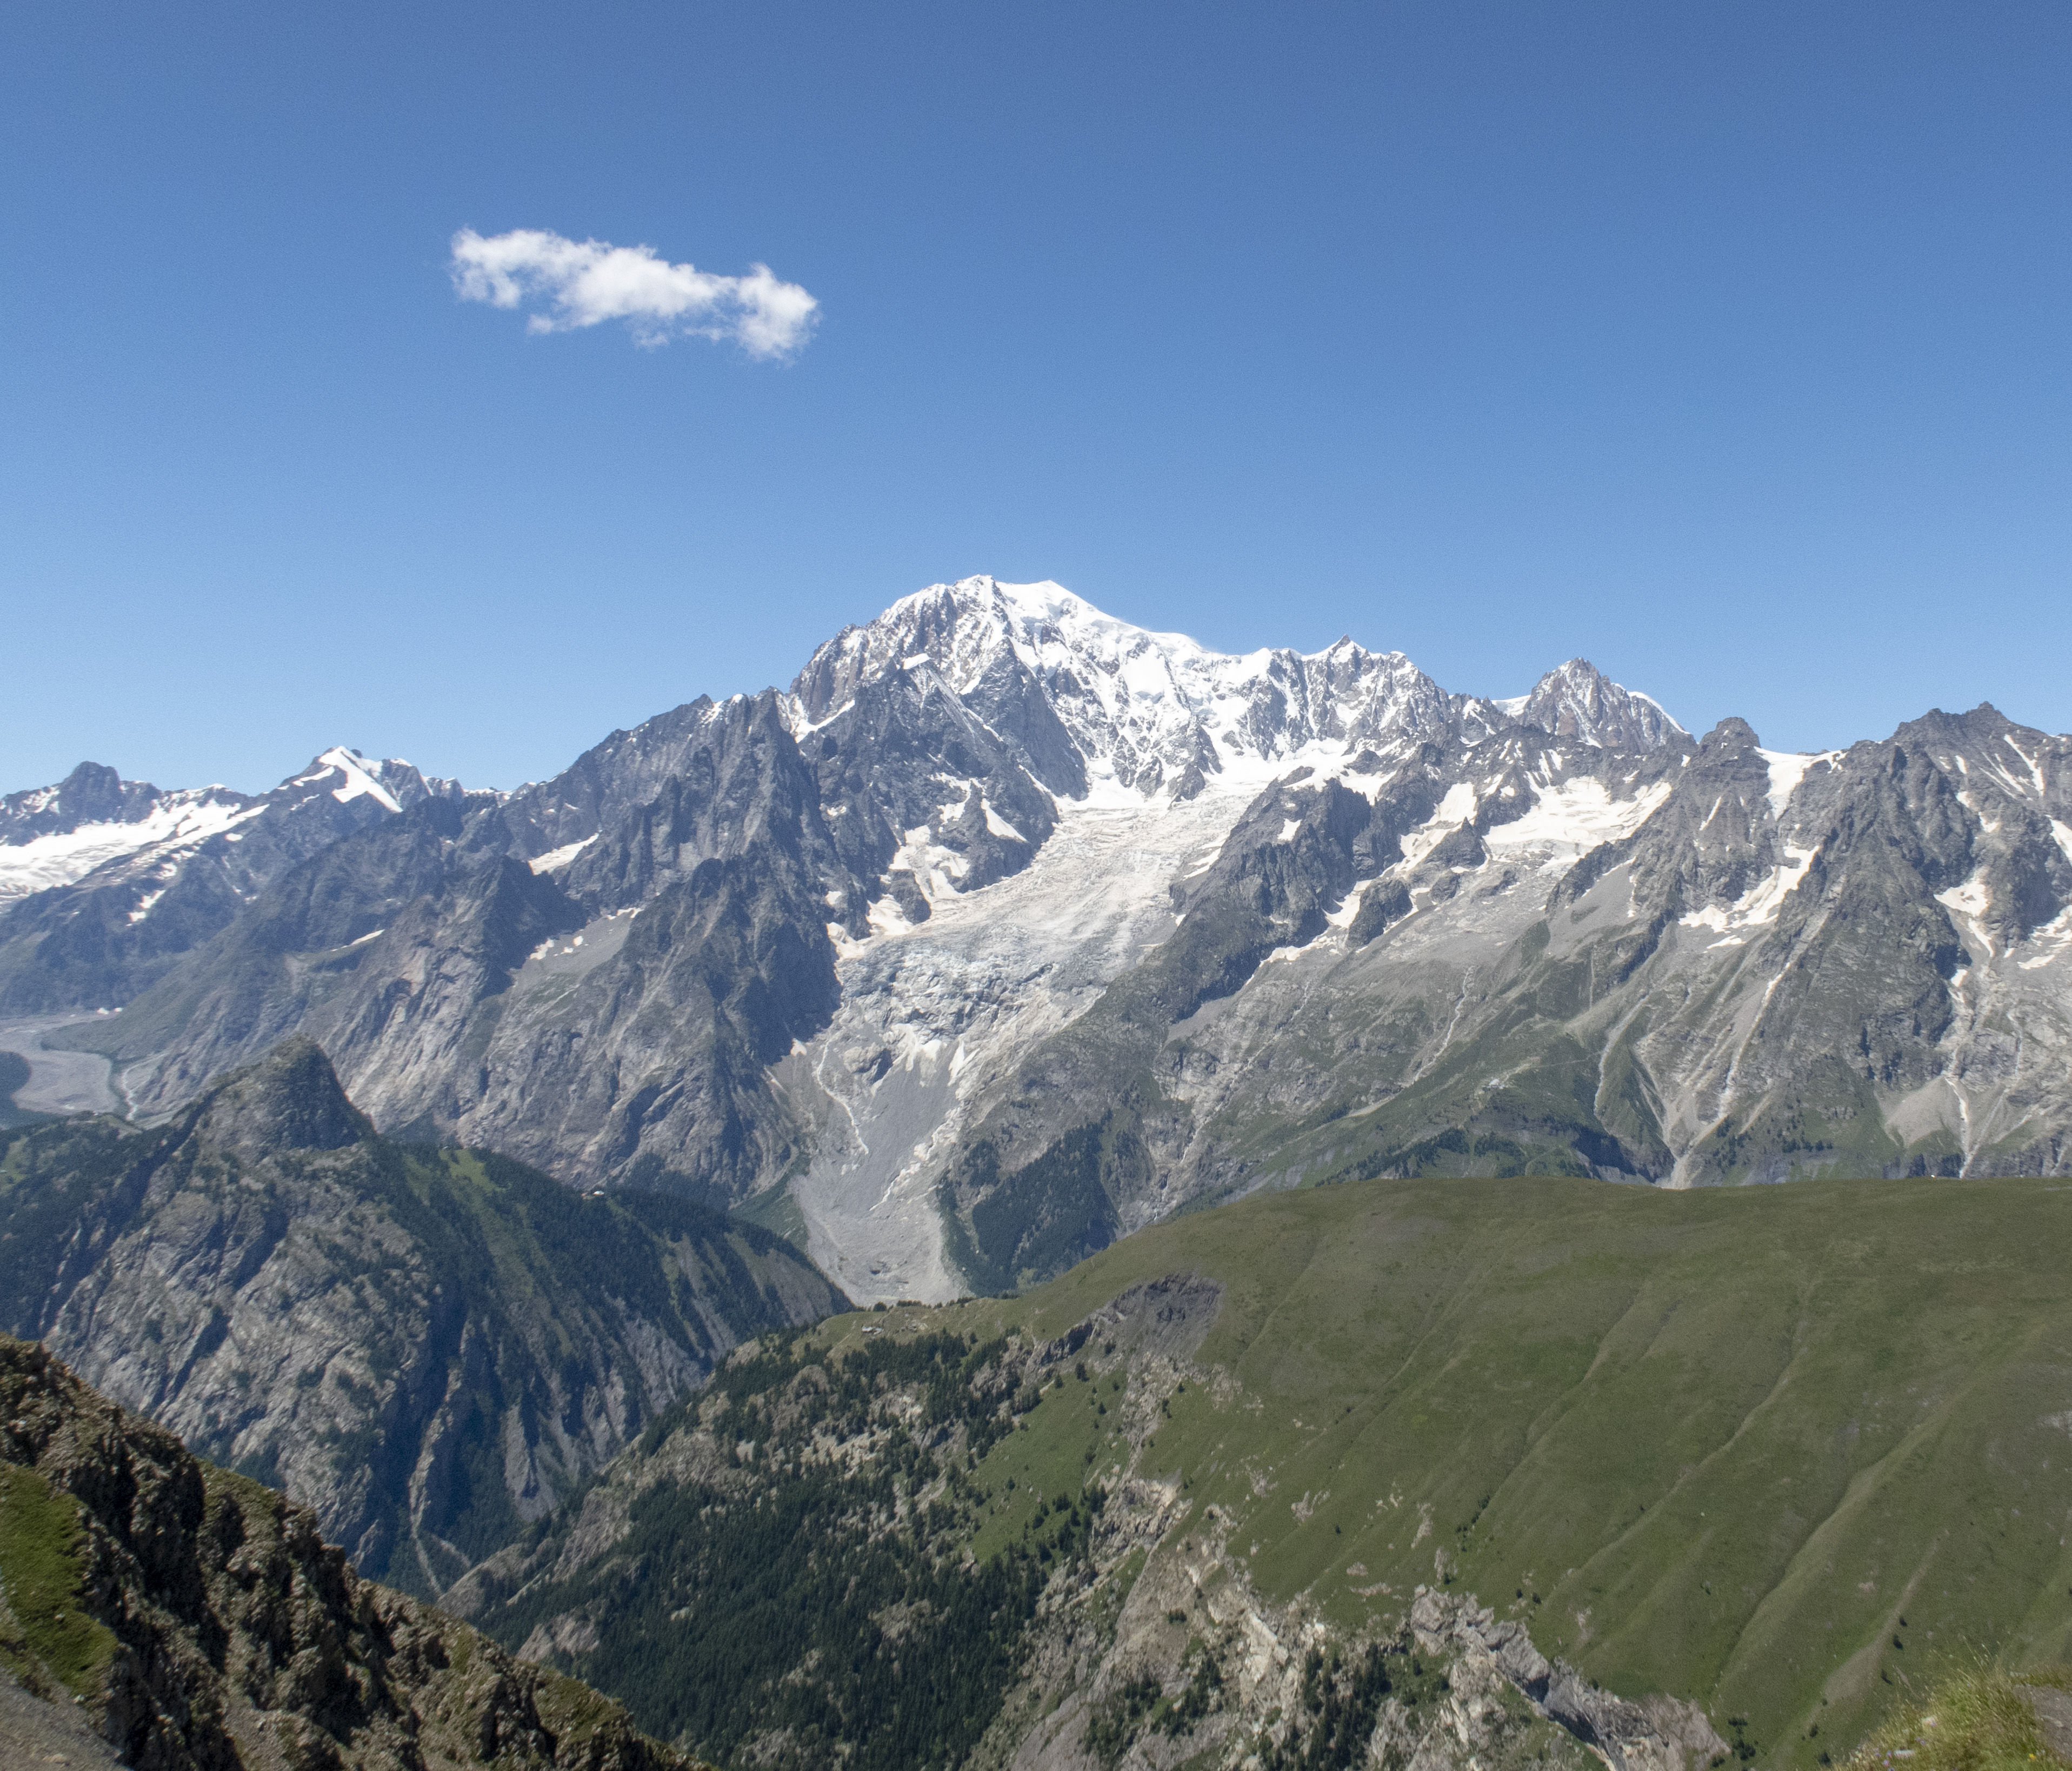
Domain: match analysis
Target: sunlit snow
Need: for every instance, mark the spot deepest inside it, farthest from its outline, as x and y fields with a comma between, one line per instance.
x=59, y=858
x=1574, y=818
x=1787, y=768
x=555, y=859
x=358, y=778
x=1757, y=907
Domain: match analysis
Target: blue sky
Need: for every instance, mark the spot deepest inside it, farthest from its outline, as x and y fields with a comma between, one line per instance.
x=1726, y=345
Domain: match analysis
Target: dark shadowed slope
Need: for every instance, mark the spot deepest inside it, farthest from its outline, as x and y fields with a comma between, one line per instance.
x=428, y=1347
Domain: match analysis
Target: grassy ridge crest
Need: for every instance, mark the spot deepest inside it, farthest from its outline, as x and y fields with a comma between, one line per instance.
x=1791, y=1451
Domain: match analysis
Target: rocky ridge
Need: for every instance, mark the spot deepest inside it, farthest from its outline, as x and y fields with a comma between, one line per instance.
x=105, y=883
x=193, y=1619
x=430, y=1348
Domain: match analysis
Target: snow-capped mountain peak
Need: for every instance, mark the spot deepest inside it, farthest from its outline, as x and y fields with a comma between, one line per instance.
x=1144, y=710
x=1577, y=700
x=35, y=860
x=98, y=833
x=356, y=775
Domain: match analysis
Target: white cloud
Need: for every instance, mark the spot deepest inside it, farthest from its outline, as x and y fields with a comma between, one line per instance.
x=580, y=283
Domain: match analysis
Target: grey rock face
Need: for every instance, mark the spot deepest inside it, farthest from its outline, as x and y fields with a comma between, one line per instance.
x=709, y=781
x=427, y=1348
x=1662, y=1734
x=710, y=746
x=650, y=1067
x=961, y=636
x=290, y=1103
x=904, y=754
x=2052, y=1710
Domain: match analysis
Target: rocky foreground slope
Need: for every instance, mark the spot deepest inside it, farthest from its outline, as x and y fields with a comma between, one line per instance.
x=1011, y=927
x=430, y=1348
x=194, y=1620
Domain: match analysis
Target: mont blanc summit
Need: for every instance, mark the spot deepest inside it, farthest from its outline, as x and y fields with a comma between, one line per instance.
x=1010, y=926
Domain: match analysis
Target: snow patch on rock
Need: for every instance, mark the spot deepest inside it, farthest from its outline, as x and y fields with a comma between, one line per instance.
x=183, y=819
x=1787, y=768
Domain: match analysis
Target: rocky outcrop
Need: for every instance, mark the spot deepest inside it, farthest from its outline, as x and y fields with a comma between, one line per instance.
x=290, y=1103
x=196, y=1621
x=1660, y=1734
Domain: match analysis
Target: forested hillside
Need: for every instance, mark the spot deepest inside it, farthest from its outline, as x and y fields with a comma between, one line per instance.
x=1777, y=1453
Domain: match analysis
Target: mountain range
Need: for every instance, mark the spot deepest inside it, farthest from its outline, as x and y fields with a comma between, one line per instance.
x=1010, y=928
x=1451, y=1472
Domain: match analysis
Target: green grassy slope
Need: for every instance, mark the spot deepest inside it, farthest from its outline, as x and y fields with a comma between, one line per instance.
x=48, y=1636
x=1788, y=1451
x=1979, y=1719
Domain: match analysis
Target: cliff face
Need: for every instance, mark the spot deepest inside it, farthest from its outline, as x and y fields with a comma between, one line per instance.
x=429, y=1348
x=194, y=1619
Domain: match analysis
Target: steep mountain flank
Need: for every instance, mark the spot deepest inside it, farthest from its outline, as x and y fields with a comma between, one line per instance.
x=1730, y=1470
x=917, y=784
x=608, y=1007
x=430, y=1348
x=191, y=1618
x=1776, y=967
x=642, y=810
x=1099, y=1132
